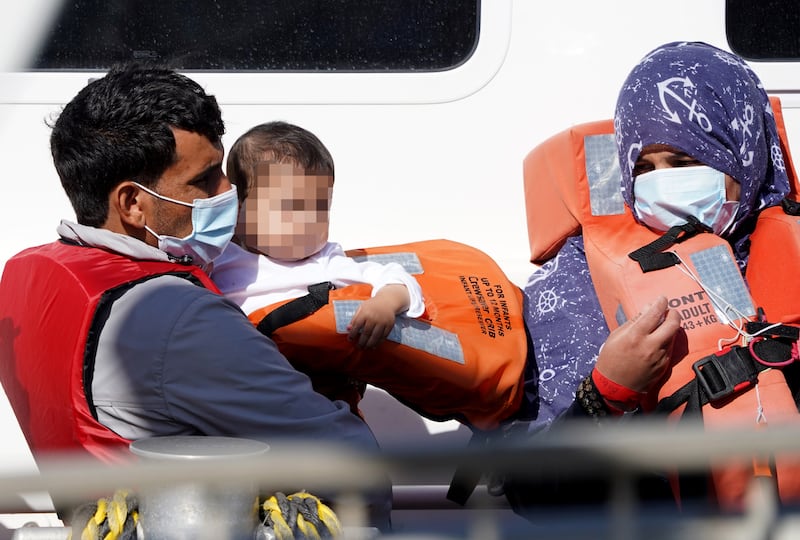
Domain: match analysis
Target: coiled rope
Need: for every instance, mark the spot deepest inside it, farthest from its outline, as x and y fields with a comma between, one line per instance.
x=114, y=518
x=299, y=516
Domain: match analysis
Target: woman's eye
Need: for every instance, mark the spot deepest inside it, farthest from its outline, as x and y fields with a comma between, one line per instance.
x=641, y=168
x=687, y=163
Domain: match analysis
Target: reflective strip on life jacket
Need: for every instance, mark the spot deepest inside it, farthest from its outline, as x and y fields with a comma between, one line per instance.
x=624, y=290
x=463, y=358
x=585, y=197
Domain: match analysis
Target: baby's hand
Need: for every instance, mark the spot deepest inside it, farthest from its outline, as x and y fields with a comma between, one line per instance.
x=375, y=317
x=372, y=322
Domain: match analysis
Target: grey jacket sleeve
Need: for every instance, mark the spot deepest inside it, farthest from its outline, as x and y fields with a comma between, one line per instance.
x=174, y=358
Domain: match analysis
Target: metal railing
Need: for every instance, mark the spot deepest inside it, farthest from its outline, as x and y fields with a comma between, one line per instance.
x=621, y=453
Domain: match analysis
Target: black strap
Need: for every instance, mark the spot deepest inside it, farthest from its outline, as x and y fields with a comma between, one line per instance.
x=717, y=377
x=296, y=309
x=790, y=207
x=651, y=257
x=465, y=479
x=762, y=328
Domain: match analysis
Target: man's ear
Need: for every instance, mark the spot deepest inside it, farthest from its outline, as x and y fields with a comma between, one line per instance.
x=129, y=202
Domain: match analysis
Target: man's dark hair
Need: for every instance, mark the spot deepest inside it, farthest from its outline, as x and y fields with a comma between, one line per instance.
x=275, y=141
x=118, y=128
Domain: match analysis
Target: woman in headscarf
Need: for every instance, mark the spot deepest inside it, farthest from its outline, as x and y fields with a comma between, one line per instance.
x=704, y=106
x=695, y=136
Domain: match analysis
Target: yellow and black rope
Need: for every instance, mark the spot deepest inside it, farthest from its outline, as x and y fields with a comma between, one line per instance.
x=114, y=518
x=300, y=516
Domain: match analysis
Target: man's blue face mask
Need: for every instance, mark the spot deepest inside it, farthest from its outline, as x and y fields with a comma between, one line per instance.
x=213, y=223
x=664, y=198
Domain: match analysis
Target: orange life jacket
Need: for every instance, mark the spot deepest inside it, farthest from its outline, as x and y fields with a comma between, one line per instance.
x=463, y=358
x=53, y=299
x=578, y=165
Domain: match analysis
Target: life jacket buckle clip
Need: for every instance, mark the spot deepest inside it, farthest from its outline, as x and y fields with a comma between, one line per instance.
x=725, y=373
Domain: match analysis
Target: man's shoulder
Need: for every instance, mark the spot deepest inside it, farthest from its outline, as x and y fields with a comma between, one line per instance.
x=177, y=284
x=105, y=239
x=173, y=301
x=165, y=293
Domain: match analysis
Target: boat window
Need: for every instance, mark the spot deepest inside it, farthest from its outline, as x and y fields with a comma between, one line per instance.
x=764, y=30
x=263, y=35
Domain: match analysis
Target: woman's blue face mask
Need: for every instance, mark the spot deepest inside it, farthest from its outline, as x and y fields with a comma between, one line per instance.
x=665, y=197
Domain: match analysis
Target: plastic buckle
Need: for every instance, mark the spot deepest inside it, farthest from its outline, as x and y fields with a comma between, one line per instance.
x=702, y=370
x=726, y=372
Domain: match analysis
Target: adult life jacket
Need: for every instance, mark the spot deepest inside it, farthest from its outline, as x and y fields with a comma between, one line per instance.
x=55, y=301
x=464, y=358
x=593, y=206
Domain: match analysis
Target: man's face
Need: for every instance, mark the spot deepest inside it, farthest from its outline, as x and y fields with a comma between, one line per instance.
x=285, y=215
x=196, y=174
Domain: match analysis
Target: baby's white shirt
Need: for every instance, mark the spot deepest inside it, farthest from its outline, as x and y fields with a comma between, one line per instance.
x=252, y=280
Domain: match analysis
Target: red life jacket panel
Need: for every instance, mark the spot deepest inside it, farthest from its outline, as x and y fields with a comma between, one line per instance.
x=54, y=302
x=463, y=358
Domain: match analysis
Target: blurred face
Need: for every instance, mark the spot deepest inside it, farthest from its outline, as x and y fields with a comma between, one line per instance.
x=662, y=156
x=286, y=213
x=196, y=174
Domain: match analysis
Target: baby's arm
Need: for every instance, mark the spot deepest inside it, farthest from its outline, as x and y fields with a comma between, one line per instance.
x=374, y=318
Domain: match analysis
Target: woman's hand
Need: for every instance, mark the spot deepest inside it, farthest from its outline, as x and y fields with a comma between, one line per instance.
x=637, y=354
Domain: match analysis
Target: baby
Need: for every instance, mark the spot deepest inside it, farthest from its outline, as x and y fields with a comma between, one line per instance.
x=284, y=176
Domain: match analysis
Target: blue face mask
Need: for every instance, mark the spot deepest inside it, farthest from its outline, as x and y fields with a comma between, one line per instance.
x=213, y=223
x=664, y=198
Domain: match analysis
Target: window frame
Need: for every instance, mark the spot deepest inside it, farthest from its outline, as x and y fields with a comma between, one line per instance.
x=323, y=87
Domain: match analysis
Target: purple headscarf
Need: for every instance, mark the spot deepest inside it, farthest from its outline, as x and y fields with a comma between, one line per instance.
x=709, y=104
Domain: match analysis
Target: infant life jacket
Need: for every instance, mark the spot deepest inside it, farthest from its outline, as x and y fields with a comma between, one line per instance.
x=55, y=300
x=464, y=358
x=690, y=273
